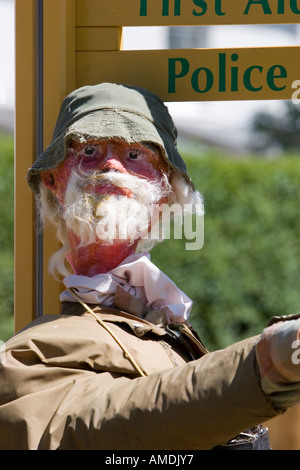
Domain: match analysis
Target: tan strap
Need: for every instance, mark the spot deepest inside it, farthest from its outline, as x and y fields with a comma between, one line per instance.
x=106, y=327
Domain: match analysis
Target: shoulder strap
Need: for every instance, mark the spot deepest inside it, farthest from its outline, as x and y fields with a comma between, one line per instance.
x=106, y=327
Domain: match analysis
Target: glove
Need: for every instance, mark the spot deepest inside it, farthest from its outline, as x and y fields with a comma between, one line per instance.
x=278, y=358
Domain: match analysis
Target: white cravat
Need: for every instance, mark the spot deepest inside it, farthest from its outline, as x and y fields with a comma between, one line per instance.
x=138, y=276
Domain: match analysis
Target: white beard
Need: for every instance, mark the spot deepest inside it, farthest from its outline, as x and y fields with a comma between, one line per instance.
x=111, y=217
x=79, y=212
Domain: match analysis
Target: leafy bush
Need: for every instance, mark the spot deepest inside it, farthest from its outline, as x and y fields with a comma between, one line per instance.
x=6, y=236
x=279, y=131
x=248, y=268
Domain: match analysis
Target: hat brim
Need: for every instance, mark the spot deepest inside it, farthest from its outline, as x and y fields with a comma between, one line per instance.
x=106, y=124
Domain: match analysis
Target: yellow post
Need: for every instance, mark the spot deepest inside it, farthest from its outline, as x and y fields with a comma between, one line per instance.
x=61, y=39
x=59, y=80
x=24, y=157
x=60, y=35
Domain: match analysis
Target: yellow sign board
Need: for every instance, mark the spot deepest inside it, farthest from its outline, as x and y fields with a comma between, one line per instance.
x=185, y=12
x=198, y=74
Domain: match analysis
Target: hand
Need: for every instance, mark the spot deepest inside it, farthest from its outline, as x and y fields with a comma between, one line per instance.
x=277, y=353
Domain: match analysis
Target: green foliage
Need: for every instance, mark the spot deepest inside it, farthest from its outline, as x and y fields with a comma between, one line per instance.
x=248, y=268
x=6, y=236
x=279, y=131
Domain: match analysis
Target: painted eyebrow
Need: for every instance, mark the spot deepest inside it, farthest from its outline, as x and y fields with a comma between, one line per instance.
x=153, y=147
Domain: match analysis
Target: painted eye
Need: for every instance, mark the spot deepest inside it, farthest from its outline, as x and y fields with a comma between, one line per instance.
x=90, y=150
x=52, y=181
x=134, y=154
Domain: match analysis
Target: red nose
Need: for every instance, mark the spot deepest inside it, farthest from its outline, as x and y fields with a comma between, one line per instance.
x=113, y=163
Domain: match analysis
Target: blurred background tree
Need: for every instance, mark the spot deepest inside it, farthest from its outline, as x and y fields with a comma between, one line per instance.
x=248, y=268
x=6, y=236
x=278, y=132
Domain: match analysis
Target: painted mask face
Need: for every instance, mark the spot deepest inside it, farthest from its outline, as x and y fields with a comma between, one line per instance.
x=101, y=178
x=143, y=161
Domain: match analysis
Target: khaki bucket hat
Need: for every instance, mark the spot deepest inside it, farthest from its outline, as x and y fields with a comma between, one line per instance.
x=108, y=111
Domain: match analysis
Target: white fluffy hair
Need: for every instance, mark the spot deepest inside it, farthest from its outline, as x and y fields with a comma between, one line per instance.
x=84, y=210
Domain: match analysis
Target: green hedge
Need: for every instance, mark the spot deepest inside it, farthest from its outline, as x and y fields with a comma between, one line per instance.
x=249, y=267
x=6, y=236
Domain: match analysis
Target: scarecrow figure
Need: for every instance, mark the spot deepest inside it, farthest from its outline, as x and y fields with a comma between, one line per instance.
x=121, y=367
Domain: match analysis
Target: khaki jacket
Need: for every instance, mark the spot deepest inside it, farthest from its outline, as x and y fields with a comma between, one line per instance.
x=65, y=383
